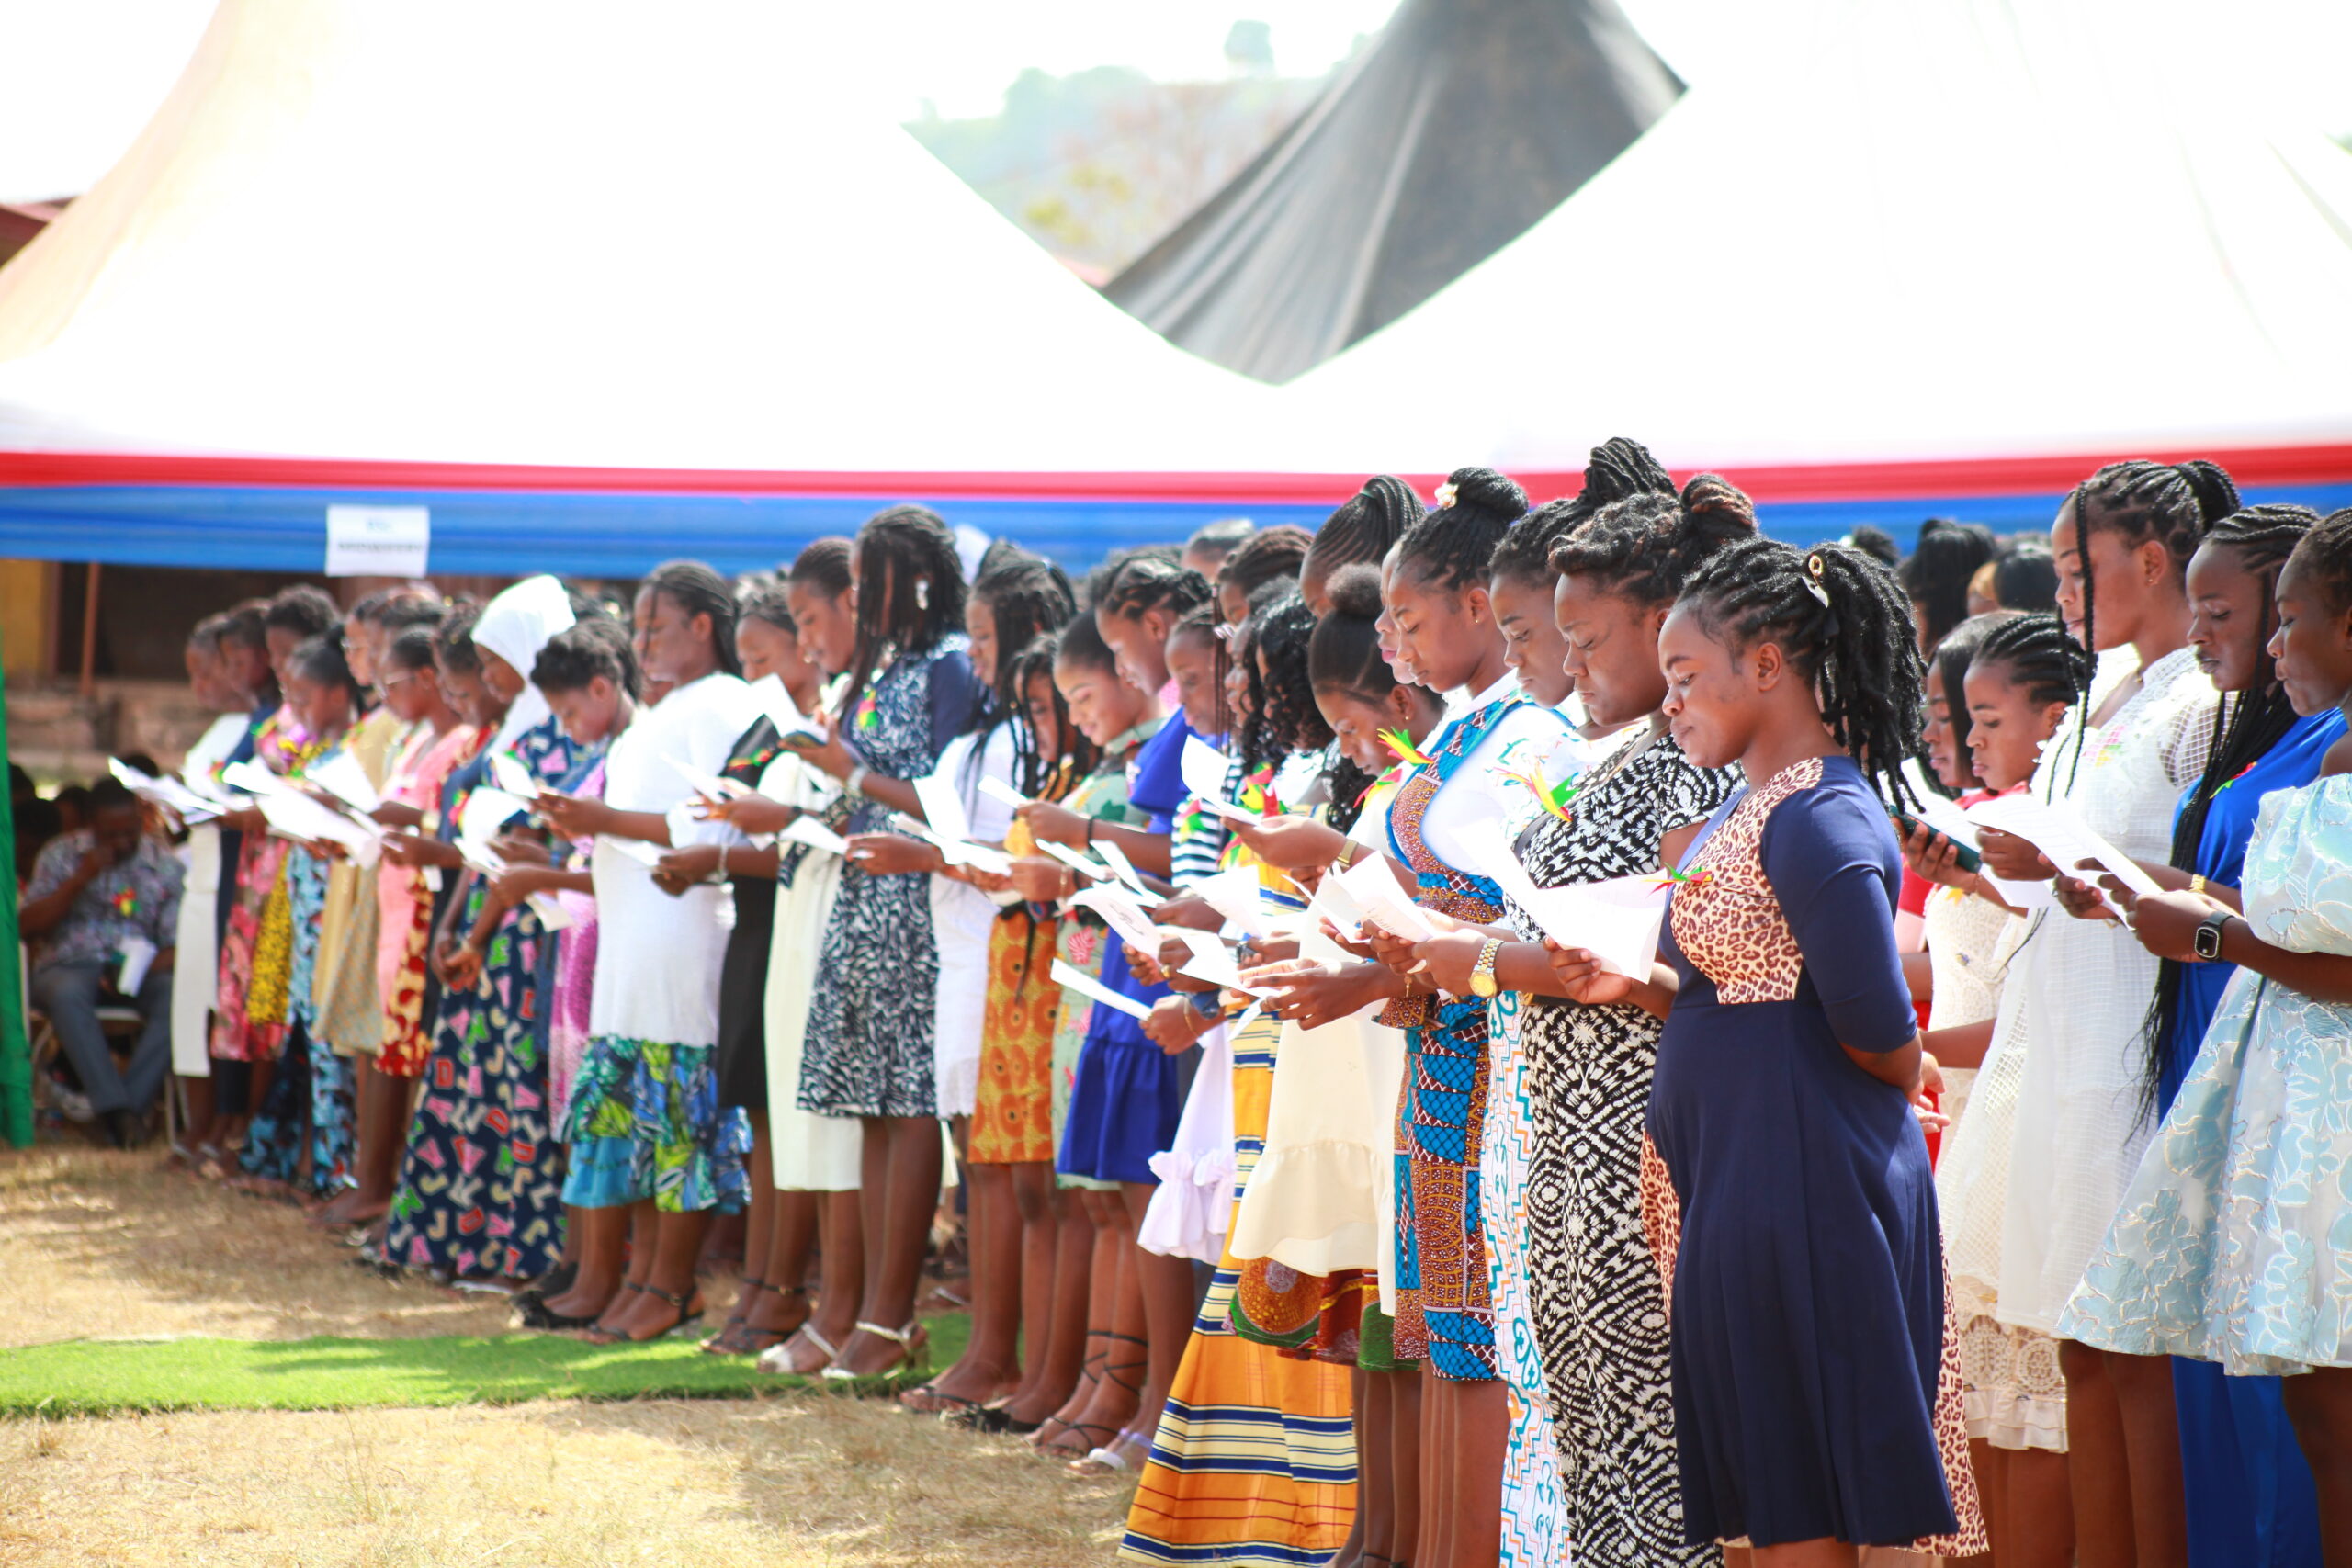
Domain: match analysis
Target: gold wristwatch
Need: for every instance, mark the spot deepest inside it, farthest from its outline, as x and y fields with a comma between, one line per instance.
x=1482, y=976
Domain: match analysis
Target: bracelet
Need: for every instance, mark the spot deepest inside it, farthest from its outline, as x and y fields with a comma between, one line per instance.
x=855, y=782
x=1347, y=855
x=2196, y=884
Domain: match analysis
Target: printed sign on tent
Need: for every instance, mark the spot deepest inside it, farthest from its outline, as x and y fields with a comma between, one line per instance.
x=378, y=541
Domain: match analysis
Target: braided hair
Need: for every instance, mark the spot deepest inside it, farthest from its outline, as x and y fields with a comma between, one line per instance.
x=1146, y=581
x=453, y=640
x=1266, y=555
x=1035, y=774
x=1646, y=546
x=1344, y=656
x=1845, y=625
x=1364, y=526
x=2172, y=503
x=1207, y=623
x=910, y=590
x=2025, y=578
x=1029, y=596
x=2035, y=652
x=827, y=566
x=319, y=659
x=1453, y=544
x=1286, y=719
x=1619, y=470
x=768, y=604
x=1936, y=573
x=2325, y=555
x=2246, y=724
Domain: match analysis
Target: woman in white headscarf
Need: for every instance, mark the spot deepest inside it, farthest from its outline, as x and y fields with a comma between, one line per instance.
x=482, y=1184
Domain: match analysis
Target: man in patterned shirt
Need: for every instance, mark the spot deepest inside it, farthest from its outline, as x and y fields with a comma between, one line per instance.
x=101, y=896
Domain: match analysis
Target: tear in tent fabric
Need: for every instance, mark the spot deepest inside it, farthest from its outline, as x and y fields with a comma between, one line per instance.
x=594, y=289
x=1465, y=122
x=1889, y=262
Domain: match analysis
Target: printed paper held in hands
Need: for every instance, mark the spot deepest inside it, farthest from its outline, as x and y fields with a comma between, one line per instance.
x=166, y=792
x=776, y=702
x=2060, y=833
x=1124, y=914
x=513, y=777
x=1617, y=920
x=709, y=786
x=1076, y=861
x=638, y=850
x=998, y=789
x=1204, y=768
x=805, y=830
x=1094, y=990
x=1384, y=900
x=1212, y=961
x=342, y=777
x=1234, y=894
x=1117, y=859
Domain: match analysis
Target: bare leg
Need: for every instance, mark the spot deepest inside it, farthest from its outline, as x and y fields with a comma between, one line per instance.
x=990, y=1365
x=901, y=1173
x=2041, y=1509
x=1991, y=1467
x=677, y=1248
x=759, y=1222
x=1106, y=1215
x=599, y=1235
x=791, y=1243
x=1056, y=1371
x=1434, y=1547
x=2098, y=1470
x=1823, y=1554
x=2142, y=1387
x=1368, y=1540
x=1031, y=1184
x=2319, y=1402
x=644, y=1221
x=1127, y=1366
x=195, y=1096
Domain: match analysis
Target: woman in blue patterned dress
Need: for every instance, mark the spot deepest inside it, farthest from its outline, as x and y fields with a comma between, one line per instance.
x=869, y=1046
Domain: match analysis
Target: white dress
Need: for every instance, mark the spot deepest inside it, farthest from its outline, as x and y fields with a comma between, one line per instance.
x=2079, y=990
x=807, y=1153
x=961, y=919
x=196, y=945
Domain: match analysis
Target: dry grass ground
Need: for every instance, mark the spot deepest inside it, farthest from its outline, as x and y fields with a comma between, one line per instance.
x=95, y=1245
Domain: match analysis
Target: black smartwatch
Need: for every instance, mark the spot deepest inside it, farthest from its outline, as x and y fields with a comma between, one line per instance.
x=2207, y=938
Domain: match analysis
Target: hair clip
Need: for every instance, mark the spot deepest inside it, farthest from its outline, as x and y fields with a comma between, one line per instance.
x=1445, y=494
x=1815, y=566
x=922, y=593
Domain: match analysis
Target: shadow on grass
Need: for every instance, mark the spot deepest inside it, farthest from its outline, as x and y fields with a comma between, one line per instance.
x=87, y=1377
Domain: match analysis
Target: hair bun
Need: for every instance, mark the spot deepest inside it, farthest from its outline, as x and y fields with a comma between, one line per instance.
x=2217, y=497
x=1620, y=468
x=1355, y=591
x=1486, y=491
x=1711, y=498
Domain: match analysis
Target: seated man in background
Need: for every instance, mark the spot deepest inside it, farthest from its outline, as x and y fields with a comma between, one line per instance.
x=101, y=913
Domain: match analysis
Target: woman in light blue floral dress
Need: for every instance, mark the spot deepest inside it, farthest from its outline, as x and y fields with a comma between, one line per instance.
x=2233, y=1243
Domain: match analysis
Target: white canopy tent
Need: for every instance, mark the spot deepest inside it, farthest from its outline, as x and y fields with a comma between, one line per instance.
x=533, y=256
x=1912, y=254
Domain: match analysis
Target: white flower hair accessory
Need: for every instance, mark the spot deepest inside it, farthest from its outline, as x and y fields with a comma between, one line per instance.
x=1445, y=494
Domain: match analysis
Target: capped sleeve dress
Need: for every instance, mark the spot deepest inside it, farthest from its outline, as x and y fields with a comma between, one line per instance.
x=1807, y=1293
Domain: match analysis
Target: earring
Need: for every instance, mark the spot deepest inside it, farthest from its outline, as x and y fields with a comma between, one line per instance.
x=922, y=593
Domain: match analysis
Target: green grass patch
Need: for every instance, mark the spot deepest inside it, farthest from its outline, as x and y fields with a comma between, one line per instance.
x=102, y=1376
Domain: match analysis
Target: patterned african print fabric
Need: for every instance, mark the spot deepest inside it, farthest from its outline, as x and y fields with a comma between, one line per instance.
x=689, y=1151
x=1586, y=1287
x=257, y=937
x=1444, y=1315
x=311, y=1099
x=1254, y=1461
x=1012, y=1120
x=481, y=1185
x=405, y=903
x=868, y=1051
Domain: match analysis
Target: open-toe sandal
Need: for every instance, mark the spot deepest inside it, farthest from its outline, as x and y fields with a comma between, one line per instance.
x=914, y=1354
x=729, y=1340
x=777, y=1360
x=1124, y=1452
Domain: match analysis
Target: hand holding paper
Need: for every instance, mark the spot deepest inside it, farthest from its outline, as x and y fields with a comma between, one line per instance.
x=1204, y=768
x=1617, y=920
x=1384, y=900
x=1086, y=986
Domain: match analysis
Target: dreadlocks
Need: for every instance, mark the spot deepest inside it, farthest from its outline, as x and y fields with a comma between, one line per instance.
x=1845, y=625
x=1453, y=543
x=1619, y=470
x=1646, y=546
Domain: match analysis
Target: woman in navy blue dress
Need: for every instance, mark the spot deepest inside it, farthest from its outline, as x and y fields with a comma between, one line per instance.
x=1808, y=1321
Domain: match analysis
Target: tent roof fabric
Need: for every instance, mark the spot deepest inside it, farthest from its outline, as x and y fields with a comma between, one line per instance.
x=1465, y=122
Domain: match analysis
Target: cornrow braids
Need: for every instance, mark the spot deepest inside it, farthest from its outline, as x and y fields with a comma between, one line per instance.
x=910, y=590
x=2170, y=503
x=2036, y=653
x=1148, y=582
x=768, y=604
x=2246, y=724
x=1648, y=546
x=1453, y=542
x=1205, y=622
x=1364, y=527
x=1286, y=720
x=1270, y=553
x=698, y=591
x=1845, y=625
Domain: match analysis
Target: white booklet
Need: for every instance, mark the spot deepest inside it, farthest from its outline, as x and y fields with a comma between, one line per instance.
x=1617, y=920
x=1205, y=767
x=1095, y=990
x=1385, y=900
x=2060, y=833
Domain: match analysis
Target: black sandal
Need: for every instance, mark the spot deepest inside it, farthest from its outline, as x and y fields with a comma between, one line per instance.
x=994, y=1419
x=723, y=1343
x=687, y=1320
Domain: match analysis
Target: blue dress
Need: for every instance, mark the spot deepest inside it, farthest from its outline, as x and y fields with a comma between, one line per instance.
x=1807, y=1292
x=2249, y=1491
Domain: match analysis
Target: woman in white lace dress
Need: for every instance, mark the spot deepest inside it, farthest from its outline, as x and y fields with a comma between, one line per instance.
x=2080, y=988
